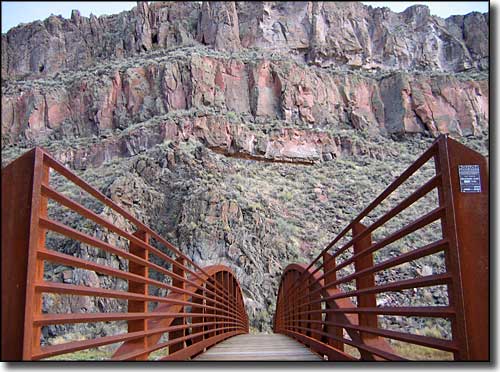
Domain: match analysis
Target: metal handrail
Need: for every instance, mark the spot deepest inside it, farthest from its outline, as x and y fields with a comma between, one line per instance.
x=313, y=308
x=203, y=305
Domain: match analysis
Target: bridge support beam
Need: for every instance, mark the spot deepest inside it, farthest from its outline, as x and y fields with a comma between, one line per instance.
x=466, y=227
x=329, y=265
x=140, y=288
x=22, y=204
x=17, y=201
x=210, y=301
x=365, y=281
x=182, y=320
x=366, y=300
x=198, y=316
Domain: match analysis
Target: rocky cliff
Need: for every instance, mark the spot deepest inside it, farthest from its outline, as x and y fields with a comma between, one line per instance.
x=330, y=33
x=245, y=88
x=247, y=133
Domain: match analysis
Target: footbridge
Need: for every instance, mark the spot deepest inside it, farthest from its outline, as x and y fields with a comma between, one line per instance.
x=331, y=309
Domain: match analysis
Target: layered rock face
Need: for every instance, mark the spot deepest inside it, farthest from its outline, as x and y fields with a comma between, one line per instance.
x=246, y=133
x=329, y=33
x=402, y=85
x=55, y=44
x=260, y=90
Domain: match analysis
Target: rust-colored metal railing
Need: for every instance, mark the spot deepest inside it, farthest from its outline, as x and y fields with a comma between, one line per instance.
x=319, y=304
x=201, y=306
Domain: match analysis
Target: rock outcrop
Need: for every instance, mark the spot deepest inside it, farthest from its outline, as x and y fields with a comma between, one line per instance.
x=45, y=47
x=322, y=33
x=359, y=36
x=218, y=25
x=261, y=90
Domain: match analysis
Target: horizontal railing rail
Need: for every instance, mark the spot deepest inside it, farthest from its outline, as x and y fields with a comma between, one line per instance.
x=197, y=308
x=436, y=210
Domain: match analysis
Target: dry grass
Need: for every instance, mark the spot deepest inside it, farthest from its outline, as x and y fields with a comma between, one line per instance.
x=96, y=354
x=409, y=351
x=84, y=355
x=417, y=352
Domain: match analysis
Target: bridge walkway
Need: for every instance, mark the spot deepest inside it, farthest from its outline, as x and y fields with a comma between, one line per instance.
x=260, y=347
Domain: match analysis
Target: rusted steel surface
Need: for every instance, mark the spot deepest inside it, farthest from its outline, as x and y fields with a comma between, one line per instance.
x=456, y=204
x=469, y=225
x=202, y=306
x=17, y=186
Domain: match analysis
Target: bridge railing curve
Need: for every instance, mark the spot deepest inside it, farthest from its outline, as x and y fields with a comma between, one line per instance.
x=199, y=306
x=339, y=304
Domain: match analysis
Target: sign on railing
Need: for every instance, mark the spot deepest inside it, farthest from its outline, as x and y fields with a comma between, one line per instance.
x=407, y=278
x=201, y=306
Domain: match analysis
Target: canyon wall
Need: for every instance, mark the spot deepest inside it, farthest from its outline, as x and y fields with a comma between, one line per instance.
x=321, y=33
x=113, y=98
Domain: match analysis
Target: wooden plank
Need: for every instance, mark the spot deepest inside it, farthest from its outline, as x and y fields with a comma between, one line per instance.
x=259, y=348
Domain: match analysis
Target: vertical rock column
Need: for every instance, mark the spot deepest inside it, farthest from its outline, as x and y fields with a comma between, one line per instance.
x=143, y=26
x=218, y=25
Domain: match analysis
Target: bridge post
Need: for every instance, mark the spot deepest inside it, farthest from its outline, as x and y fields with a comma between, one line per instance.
x=22, y=204
x=278, y=318
x=292, y=312
x=197, y=316
x=296, y=308
x=329, y=264
x=303, y=317
x=279, y=321
x=223, y=282
x=228, y=290
x=289, y=307
x=210, y=301
x=288, y=313
x=232, y=291
x=315, y=316
x=365, y=281
x=465, y=194
x=178, y=269
x=218, y=302
x=221, y=303
x=366, y=300
x=139, y=306
x=306, y=308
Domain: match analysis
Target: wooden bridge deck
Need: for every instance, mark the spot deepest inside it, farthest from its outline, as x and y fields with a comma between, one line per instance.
x=264, y=347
